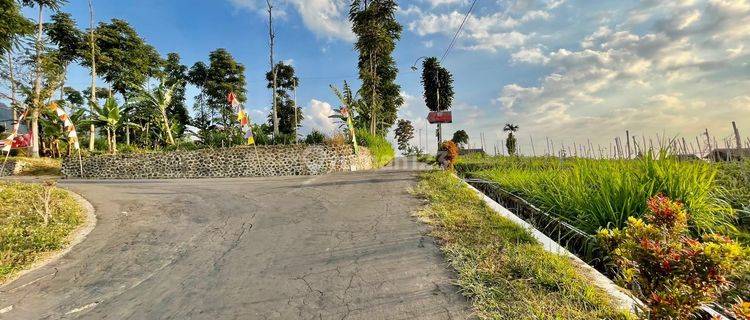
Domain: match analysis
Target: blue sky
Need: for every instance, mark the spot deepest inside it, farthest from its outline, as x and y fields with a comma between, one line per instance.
x=565, y=69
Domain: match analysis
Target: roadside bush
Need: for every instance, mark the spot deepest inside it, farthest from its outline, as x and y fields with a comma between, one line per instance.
x=671, y=272
x=381, y=150
x=34, y=219
x=447, y=154
x=337, y=139
x=182, y=146
x=315, y=137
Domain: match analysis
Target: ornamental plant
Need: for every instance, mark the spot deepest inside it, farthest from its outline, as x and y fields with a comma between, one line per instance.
x=673, y=273
x=447, y=154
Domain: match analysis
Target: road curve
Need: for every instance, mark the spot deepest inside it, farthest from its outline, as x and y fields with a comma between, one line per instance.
x=342, y=246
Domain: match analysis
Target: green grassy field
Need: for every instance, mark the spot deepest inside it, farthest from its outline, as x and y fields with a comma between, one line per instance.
x=501, y=267
x=35, y=219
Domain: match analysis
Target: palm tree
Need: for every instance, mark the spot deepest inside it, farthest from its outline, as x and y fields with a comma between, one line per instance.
x=510, y=143
x=37, y=103
x=160, y=98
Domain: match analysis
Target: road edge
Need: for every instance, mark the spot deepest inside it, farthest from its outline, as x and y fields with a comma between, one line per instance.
x=75, y=238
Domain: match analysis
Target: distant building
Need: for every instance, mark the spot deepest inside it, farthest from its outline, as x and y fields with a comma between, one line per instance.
x=728, y=154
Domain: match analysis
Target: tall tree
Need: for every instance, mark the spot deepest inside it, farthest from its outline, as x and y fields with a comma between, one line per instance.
x=289, y=115
x=374, y=23
x=176, y=75
x=64, y=33
x=225, y=75
x=54, y=5
x=510, y=143
x=14, y=24
x=123, y=58
x=198, y=76
x=274, y=76
x=13, y=27
x=438, y=89
x=92, y=51
x=404, y=133
x=160, y=99
x=460, y=137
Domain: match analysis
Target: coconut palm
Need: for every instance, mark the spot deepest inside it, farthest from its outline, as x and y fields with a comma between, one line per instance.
x=510, y=143
x=160, y=98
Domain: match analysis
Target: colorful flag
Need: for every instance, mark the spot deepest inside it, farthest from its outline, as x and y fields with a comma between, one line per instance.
x=69, y=127
x=8, y=142
x=242, y=117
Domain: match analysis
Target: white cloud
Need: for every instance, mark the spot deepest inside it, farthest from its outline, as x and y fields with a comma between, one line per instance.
x=317, y=117
x=435, y=3
x=491, y=32
x=675, y=74
x=325, y=18
x=532, y=56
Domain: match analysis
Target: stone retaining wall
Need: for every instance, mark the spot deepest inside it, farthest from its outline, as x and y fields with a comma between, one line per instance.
x=287, y=160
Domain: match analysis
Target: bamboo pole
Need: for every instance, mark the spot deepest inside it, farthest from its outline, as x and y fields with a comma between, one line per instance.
x=533, y=150
x=737, y=135
x=627, y=136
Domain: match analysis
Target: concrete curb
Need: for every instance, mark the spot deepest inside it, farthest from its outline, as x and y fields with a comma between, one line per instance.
x=75, y=237
x=621, y=297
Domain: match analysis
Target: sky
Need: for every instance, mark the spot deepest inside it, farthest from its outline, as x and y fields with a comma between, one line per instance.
x=565, y=70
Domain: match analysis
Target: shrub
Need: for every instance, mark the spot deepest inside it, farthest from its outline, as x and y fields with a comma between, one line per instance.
x=337, y=139
x=315, y=137
x=447, y=154
x=182, y=146
x=671, y=272
x=381, y=150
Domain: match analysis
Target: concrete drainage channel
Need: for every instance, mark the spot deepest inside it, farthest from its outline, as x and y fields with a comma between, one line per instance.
x=544, y=227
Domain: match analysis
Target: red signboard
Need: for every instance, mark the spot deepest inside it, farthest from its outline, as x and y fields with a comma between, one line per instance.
x=21, y=141
x=440, y=117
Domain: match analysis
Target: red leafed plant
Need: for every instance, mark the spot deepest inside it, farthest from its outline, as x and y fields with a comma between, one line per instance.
x=447, y=154
x=671, y=272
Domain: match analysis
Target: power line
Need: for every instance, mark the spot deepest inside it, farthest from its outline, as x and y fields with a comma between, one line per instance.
x=453, y=41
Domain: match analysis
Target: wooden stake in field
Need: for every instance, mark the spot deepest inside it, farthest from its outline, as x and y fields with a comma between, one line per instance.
x=737, y=135
x=533, y=150
x=627, y=136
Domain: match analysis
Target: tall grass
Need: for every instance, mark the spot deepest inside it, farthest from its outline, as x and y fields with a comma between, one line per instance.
x=381, y=150
x=594, y=194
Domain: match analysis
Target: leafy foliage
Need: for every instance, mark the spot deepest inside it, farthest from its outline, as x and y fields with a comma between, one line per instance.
x=14, y=25
x=447, y=154
x=510, y=143
x=176, y=75
x=381, y=150
x=377, y=30
x=224, y=75
x=404, y=133
x=287, y=111
x=315, y=137
x=460, y=137
x=437, y=82
x=671, y=272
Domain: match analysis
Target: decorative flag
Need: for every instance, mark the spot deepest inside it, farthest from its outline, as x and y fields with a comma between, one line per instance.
x=70, y=129
x=242, y=117
x=8, y=142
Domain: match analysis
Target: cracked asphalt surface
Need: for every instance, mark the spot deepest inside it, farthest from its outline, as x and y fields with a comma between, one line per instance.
x=343, y=246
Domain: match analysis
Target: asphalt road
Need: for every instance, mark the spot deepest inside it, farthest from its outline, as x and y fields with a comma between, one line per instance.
x=343, y=246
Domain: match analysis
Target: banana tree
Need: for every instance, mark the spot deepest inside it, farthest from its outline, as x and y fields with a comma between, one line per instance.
x=110, y=115
x=344, y=113
x=160, y=98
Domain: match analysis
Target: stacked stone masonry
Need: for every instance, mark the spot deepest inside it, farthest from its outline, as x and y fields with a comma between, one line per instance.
x=291, y=160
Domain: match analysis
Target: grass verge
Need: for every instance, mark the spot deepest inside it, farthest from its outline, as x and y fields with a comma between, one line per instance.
x=381, y=150
x=501, y=267
x=35, y=219
x=38, y=166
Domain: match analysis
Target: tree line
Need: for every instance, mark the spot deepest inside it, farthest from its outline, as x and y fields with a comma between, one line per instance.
x=144, y=100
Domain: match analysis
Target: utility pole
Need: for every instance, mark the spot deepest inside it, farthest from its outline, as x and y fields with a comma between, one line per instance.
x=92, y=128
x=272, y=35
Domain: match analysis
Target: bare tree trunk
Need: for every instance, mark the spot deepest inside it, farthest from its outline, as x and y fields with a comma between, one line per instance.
x=373, y=107
x=272, y=35
x=167, y=128
x=296, y=120
x=114, y=141
x=109, y=140
x=92, y=129
x=37, y=89
x=12, y=85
